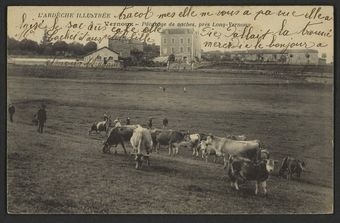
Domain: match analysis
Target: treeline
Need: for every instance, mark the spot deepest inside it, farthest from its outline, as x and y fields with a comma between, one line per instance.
x=59, y=48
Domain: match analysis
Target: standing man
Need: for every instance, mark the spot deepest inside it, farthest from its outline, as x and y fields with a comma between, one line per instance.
x=165, y=123
x=150, y=123
x=41, y=118
x=127, y=121
x=11, y=111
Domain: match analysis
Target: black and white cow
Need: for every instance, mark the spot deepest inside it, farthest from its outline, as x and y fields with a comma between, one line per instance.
x=242, y=169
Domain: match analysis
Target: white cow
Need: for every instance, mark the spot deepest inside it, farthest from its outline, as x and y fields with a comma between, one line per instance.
x=141, y=142
x=223, y=147
x=194, y=140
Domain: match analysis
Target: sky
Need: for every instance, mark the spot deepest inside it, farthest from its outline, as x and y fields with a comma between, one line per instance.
x=216, y=28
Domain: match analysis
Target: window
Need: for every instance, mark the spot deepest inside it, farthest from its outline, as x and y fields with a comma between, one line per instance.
x=181, y=40
x=172, y=50
x=189, y=49
x=165, y=51
x=172, y=40
x=181, y=49
x=99, y=57
x=188, y=40
x=164, y=40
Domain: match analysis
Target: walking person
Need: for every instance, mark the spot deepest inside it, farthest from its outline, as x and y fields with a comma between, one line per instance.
x=11, y=111
x=41, y=115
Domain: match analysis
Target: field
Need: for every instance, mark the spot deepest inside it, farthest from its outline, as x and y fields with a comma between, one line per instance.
x=64, y=170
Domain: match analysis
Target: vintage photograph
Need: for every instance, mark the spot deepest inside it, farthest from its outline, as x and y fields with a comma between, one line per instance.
x=170, y=110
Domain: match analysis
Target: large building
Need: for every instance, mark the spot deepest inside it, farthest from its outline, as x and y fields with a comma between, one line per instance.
x=293, y=56
x=124, y=46
x=182, y=42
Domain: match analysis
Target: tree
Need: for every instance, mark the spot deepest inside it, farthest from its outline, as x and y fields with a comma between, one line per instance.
x=60, y=47
x=12, y=44
x=171, y=59
x=48, y=49
x=151, y=51
x=29, y=45
x=90, y=47
x=76, y=49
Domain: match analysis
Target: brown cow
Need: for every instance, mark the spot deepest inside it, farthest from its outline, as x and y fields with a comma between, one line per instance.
x=291, y=166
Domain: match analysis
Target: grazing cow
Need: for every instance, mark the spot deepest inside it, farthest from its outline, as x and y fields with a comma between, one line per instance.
x=101, y=126
x=195, y=140
x=154, y=133
x=207, y=150
x=117, y=136
x=141, y=142
x=242, y=169
x=171, y=138
x=116, y=123
x=237, y=137
x=223, y=147
x=291, y=166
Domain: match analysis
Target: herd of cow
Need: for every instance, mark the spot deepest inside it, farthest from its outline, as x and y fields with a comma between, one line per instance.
x=245, y=160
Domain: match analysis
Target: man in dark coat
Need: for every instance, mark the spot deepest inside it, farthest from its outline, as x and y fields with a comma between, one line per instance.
x=165, y=122
x=11, y=111
x=150, y=123
x=128, y=121
x=41, y=115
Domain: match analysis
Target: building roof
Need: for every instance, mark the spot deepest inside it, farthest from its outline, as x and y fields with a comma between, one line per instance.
x=270, y=51
x=130, y=41
x=101, y=49
x=302, y=51
x=177, y=31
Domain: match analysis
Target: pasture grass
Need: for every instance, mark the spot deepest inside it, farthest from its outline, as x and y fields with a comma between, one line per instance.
x=64, y=170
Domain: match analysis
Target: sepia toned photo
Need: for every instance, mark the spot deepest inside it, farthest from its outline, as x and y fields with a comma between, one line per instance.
x=170, y=110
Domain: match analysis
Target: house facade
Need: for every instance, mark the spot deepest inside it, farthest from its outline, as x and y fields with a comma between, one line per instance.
x=182, y=42
x=102, y=57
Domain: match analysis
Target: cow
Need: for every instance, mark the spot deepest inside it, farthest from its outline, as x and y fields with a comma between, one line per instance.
x=291, y=166
x=171, y=138
x=194, y=140
x=207, y=150
x=243, y=169
x=236, y=137
x=154, y=133
x=116, y=123
x=101, y=126
x=141, y=142
x=118, y=135
x=223, y=147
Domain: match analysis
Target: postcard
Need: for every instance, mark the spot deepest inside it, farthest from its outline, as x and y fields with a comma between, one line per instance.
x=170, y=109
